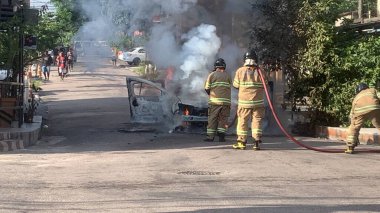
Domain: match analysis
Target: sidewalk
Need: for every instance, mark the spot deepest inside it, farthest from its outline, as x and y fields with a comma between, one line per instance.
x=28, y=134
x=18, y=138
x=367, y=135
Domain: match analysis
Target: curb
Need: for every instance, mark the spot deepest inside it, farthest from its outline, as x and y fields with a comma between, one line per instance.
x=367, y=135
x=18, y=138
x=11, y=145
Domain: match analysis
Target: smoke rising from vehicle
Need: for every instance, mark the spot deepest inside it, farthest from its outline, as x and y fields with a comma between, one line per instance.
x=125, y=15
x=198, y=53
x=185, y=37
x=163, y=48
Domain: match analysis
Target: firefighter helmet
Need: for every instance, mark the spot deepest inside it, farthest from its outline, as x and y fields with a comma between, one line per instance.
x=220, y=63
x=251, y=54
x=250, y=58
x=361, y=87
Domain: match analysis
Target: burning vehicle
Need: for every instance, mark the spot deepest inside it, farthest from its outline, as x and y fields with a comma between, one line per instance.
x=151, y=103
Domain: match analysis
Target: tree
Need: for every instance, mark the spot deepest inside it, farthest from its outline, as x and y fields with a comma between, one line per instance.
x=323, y=63
x=273, y=35
x=333, y=60
x=10, y=46
x=69, y=18
x=52, y=30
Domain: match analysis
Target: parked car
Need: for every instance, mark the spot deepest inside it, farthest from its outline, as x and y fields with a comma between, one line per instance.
x=135, y=56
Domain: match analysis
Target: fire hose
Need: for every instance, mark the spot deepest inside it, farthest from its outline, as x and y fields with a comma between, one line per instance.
x=295, y=140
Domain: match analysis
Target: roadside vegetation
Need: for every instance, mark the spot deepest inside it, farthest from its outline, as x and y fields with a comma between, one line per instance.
x=52, y=30
x=323, y=63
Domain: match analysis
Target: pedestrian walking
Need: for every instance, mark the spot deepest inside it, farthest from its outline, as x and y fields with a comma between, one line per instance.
x=365, y=106
x=114, y=57
x=47, y=60
x=70, y=61
x=250, y=101
x=61, y=62
x=218, y=87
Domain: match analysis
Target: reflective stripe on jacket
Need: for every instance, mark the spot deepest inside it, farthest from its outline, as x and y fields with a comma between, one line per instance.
x=364, y=102
x=219, y=84
x=251, y=89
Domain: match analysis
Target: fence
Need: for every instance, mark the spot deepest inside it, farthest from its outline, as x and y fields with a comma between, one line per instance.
x=11, y=104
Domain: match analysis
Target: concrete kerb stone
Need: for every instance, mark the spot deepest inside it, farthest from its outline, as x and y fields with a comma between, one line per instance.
x=11, y=145
x=366, y=136
x=18, y=138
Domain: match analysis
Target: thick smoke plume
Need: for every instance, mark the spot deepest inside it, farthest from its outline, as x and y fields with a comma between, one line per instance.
x=188, y=37
x=197, y=53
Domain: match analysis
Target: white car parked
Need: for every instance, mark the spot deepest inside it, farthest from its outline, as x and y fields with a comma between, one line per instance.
x=135, y=56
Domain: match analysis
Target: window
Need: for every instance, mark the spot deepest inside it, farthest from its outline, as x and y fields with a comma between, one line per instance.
x=142, y=89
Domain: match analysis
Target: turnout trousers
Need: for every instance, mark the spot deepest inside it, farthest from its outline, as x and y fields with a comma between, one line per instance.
x=357, y=123
x=217, y=119
x=256, y=116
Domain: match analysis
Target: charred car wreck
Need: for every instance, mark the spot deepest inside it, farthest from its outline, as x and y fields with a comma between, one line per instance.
x=151, y=103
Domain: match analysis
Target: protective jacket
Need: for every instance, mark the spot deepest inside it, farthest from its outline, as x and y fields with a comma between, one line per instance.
x=365, y=106
x=251, y=89
x=365, y=101
x=219, y=86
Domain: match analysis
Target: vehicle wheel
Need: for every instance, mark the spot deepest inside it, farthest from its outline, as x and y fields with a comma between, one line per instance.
x=136, y=61
x=130, y=63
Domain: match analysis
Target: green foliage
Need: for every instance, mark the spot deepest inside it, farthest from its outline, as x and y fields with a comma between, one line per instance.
x=323, y=64
x=52, y=30
x=122, y=42
x=332, y=62
x=272, y=29
x=66, y=21
x=354, y=63
x=9, y=43
x=140, y=70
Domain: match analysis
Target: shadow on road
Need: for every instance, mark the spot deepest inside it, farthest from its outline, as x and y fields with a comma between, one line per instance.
x=296, y=208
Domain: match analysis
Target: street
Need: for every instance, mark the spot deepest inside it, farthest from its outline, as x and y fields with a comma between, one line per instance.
x=86, y=163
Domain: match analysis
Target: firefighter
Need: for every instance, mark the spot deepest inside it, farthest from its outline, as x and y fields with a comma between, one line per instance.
x=250, y=101
x=365, y=106
x=218, y=87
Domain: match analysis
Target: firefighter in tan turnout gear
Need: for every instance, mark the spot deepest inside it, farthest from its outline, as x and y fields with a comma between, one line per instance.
x=218, y=87
x=365, y=106
x=250, y=102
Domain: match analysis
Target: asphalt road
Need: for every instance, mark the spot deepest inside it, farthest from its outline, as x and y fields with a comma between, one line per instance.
x=84, y=163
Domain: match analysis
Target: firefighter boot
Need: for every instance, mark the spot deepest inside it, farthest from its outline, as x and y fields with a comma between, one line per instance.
x=222, y=137
x=356, y=143
x=349, y=150
x=256, y=145
x=239, y=145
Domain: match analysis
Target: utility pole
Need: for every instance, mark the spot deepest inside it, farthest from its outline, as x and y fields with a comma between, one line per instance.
x=360, y=10
x=21, y=70
x=18, y=8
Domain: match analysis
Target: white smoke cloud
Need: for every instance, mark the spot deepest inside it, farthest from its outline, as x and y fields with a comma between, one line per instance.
x=192, y=60
x=106, y=10
x=198, y=52
x=175, y=6
x=191, y=53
